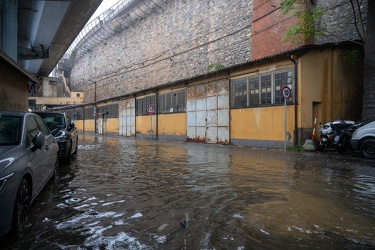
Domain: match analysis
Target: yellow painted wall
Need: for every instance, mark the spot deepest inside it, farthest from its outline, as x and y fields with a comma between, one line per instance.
x=111, y=125
x=263, y=123
x=145, y=124
x=79, y=124
x=325, y=78
x=169, y=124
x=172, y=124
x=89, y=125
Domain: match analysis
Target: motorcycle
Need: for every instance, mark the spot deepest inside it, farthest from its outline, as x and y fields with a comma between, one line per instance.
x=337, y=134
x=327, y=135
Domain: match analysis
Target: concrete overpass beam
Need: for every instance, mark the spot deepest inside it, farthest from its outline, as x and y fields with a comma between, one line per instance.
x=9, y=24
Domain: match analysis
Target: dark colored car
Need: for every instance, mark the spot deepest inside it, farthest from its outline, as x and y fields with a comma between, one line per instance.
x=65, y=133
x=28, y=159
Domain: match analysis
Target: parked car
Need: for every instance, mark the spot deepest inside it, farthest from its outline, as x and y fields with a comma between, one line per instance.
x=66, y=134
x=363, y=139
x=28, y=159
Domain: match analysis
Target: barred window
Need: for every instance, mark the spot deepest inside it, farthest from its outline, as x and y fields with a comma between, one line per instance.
x=254, y=94
x=173, y=102
x=265, y=89
x=89, y=113
x=239, y=88
x=260, y=90
x=78, y=114
x=112, y=111
x=282, y=79
x=143, y=104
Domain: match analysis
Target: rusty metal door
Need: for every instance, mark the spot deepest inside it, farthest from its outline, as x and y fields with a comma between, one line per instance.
x=127, y=118
x=208, y=113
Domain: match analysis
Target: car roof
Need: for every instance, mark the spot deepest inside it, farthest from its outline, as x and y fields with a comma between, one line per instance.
x=44, y=112
x=13, y=113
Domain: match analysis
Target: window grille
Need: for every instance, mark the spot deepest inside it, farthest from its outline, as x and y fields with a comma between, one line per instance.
x=254, y=95
x=261, y=90
x=143, y=104
x=239, y=89
x=112, y=111
x=173, y=102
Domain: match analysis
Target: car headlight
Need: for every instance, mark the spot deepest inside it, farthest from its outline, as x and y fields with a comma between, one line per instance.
x=61, y=137
x=3, y=180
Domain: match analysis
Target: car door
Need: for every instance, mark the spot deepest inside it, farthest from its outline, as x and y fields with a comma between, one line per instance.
x=50, y=150
x=37, y=159
x=74, y=134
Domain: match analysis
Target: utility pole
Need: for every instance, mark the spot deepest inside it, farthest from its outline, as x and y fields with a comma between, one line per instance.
x=95, y=107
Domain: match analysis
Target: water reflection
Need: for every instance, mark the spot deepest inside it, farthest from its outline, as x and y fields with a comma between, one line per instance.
x=123, y=193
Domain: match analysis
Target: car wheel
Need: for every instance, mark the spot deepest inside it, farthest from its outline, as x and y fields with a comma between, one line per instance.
x=21, y=208
x=368, y=148
x=75, y=152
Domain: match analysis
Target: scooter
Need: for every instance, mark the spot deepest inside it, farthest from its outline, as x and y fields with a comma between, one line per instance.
x=337, y=134
x=327, y=135
x=343, y=136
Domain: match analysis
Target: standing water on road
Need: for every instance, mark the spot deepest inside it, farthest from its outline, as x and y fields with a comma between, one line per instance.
x=123, y=193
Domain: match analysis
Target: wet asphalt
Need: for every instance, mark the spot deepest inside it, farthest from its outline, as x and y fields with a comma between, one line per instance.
x=127, y=193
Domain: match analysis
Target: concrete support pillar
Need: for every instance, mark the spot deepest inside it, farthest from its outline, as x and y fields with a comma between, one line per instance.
x=9, y=25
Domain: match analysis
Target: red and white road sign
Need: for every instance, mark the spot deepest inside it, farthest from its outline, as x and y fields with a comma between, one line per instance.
x=286, y=93
x=151, y=110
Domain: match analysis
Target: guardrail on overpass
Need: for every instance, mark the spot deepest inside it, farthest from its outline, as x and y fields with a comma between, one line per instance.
x=112, y=21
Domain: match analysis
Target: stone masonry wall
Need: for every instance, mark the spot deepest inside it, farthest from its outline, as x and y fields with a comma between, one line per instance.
x=167, y=41
x=339, y=20
x=178, y=40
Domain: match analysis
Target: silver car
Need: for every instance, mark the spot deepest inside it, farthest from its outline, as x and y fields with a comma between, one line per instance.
x=363, y=139
x=28, y=159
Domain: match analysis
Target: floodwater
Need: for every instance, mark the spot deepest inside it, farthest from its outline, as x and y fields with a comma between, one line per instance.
x=125, y=193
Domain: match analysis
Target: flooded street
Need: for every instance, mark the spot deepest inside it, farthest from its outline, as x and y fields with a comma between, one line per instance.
x=123, y=193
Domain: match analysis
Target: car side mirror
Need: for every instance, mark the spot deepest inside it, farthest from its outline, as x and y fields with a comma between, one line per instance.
x=71, y=125
x=38, y=141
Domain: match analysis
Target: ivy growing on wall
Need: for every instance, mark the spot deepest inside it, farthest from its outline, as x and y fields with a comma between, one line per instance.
x=214, y=67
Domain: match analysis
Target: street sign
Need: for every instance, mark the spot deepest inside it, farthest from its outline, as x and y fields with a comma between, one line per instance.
x=151, y=110
x=286, y=93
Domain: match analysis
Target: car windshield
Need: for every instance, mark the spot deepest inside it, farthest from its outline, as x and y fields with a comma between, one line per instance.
x=53, y=121
x=10, y=132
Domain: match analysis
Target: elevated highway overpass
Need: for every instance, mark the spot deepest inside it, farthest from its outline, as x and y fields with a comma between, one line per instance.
x=34, y=35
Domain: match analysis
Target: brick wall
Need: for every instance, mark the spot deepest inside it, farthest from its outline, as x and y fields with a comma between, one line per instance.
x=178, y=40
x=269, y=26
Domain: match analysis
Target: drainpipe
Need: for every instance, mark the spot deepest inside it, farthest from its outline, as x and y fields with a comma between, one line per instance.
x=157, y=115
x=292, y=58
x=95, y=107
x=84, y=119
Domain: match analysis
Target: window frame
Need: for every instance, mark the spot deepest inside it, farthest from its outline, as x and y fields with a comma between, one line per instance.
x=142, y=104
x=262, y=92
x=172, y=102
